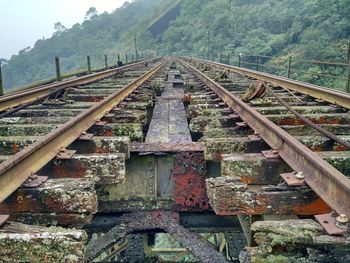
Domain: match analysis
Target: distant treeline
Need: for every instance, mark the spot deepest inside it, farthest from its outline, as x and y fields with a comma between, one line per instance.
x=304, y=29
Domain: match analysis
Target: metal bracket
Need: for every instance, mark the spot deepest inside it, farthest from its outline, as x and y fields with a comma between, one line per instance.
x=242, y=124
x=100, y=123
x=3, y=219
x=255, y=137
x=34, y=181
x=271, y=154
x=292, y=179
x=329, y=223
x=85, y=136
x=109, y=115
x=65, y=154
x=234, y=116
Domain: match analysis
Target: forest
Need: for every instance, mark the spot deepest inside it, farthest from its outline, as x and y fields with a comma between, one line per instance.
x=279, y=32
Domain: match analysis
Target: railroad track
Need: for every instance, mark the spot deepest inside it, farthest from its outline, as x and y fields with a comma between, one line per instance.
x=112, y=152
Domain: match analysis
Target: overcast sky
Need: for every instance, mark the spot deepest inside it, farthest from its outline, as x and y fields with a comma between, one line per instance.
x=22, y=22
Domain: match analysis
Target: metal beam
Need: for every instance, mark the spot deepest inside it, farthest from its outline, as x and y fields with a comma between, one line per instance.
x=15, y=170
x=331, y=185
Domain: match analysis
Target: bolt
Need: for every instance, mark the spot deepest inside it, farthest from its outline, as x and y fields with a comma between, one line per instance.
x=342, y=219
x=300, y=175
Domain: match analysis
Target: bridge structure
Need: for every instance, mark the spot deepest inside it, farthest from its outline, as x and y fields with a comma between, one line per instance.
x=175, y=159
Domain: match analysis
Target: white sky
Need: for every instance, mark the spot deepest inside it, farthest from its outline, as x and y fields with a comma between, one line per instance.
x=23, y=22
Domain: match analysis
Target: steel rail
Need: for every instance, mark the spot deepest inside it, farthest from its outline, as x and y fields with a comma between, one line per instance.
x=335, y=97
x=15, y=170
x=331, y=185
x=19, y=97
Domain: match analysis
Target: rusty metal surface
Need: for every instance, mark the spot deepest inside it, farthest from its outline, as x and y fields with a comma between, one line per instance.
x=15, y=170
x=292, y=180
x=34, y=181
x=156, y=220
x=166, y=147
x=328, y=222
x=331, y=96
x=65, y=154
x=20, y=97
x=331, y=185
x=189, y=182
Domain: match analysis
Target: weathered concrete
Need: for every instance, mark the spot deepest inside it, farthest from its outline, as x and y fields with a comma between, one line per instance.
x=214, y=148
x=295, y=241
x=204, y=123
x=100, y=168
x=326, y=118
x=229, y=196
x=25, y=130
x=127, y=116
x=58, y=196
x=103, y=145
x=34, y=120
x=23, y=243
x=300, y=109
x=253, y=168
x=132, y=130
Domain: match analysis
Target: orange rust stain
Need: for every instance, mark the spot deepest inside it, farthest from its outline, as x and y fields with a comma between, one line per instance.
x=100, y=150
x=74, y=170
x=324, y=120
x=291, y=121
x=314, y=208
x=247, y=180
x=15, y=148
x=317, y=149
x=20, y=202
x=108, y=133
x=340, y=148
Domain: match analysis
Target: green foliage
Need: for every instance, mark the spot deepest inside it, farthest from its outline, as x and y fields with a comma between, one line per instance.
x=304, y=29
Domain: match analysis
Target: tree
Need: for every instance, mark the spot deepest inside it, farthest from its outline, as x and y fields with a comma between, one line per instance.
x=91, y=13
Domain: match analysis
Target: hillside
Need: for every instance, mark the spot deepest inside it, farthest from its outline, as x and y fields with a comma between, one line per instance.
x=307, y=30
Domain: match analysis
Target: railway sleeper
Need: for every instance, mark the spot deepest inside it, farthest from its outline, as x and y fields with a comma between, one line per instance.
x=66, y=201
x=254, y=168
x=25, y=243
x=100, y=168
x=229, y=196
x=295, y=240
x=12, y=145
x=214, y=148
x=326, y=118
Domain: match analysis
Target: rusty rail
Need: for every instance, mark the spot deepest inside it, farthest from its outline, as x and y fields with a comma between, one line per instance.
x=20, y=97
x=335, y=97
x=15, y=170
x=331, y=185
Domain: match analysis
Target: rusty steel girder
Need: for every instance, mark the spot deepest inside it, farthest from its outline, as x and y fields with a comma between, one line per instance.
x=330, y=184
x=15, y=170
x=322, y=93
x=17, y=98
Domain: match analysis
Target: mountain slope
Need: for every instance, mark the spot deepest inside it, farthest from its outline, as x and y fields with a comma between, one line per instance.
x=305, y=29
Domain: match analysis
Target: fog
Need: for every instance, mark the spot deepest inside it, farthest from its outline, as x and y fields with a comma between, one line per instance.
x=23, y=22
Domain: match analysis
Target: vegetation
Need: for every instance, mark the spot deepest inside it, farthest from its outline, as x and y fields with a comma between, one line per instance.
x=304, y=29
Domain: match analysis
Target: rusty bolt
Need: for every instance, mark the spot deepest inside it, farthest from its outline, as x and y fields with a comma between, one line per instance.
x=300, y=175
